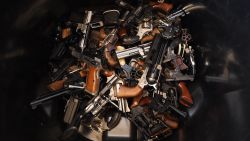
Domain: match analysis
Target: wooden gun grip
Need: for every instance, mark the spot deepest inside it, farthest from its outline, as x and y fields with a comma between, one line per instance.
x=111, y=61
x=166, y=7
x=102, y=34
x=56, y=85
x=92, y=81
x=126, y=92
x=66, y=32
x=150, y=37
x=185, y=97
x=122, y=32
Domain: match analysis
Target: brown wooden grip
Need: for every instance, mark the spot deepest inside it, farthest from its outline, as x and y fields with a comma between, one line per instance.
x=147, y=38
x=136, y=100
x=126, y=92
x=92, y=81
x=102, y=34
x=185, y=97
x=56, y=85
x=66, y=32
x=107, y=73
x=166, y=7
x=111, y=61
x=145, y=101
x=122, y=32
x=150, y=37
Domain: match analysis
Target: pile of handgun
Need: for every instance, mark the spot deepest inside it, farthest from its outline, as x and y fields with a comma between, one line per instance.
x=134, y=60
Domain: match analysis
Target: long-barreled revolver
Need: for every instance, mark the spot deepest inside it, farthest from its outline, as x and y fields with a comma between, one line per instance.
x=85, y=27
x=141, y=50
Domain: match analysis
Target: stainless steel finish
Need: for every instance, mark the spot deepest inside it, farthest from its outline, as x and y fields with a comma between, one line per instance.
x=123, y=105
x=143, y=80
x=76, y=87
x=137, y=50
x=144, y=28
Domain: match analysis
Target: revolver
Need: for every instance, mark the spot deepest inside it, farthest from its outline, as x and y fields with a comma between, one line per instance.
x=141, y=50
x=152, y=69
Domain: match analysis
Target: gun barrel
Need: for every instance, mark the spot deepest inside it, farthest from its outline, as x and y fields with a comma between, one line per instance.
x=137, y=50
x=155, y=60
x=48, y=97
x=85, y=29
x=186, y=10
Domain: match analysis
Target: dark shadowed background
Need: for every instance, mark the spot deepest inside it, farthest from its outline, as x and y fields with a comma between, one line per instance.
x=221, y=89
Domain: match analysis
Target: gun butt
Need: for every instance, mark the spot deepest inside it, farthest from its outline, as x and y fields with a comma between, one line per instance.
x=111, y=61
x=57, y=85
x=122, y=32
x=66, y=32
x=166, y=7
x=93, y=81
x=126, y=92
x=102, y=34
x=185, y=97
x=150, y=37
x=107, y=73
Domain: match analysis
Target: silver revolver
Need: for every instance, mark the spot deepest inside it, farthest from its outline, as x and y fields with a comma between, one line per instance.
x=141, y=50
